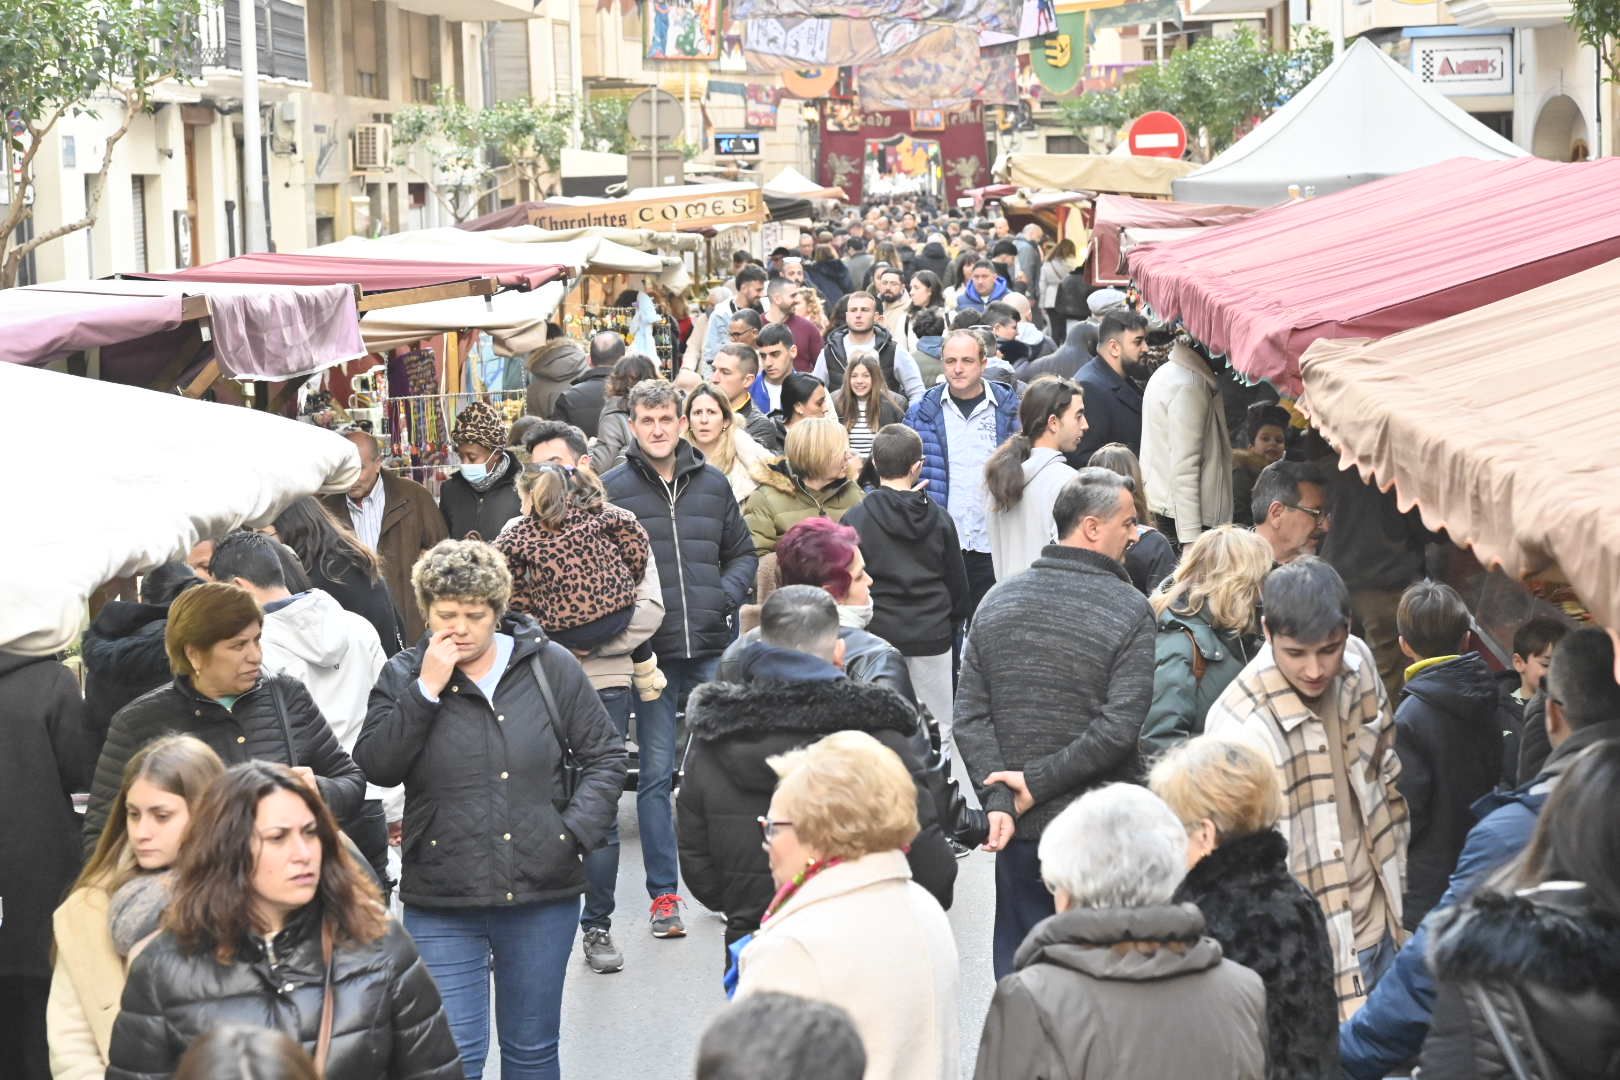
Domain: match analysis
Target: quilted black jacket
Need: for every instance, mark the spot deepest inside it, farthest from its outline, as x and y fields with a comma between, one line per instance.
x=248, y=730
x=486, y=822
x=124, y=657
x=781, y=703
x=387, y=1021
x=706, y=560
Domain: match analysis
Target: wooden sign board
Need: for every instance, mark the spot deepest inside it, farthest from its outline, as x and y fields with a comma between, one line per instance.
x=677, y=212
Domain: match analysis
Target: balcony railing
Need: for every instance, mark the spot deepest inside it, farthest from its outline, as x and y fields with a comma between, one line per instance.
x=282, y=39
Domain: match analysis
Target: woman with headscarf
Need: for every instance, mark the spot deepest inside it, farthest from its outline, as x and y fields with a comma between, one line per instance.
x=482, y=495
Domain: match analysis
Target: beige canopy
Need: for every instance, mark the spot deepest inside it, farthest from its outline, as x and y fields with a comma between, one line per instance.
x=1498, y=424
x=1095, y=172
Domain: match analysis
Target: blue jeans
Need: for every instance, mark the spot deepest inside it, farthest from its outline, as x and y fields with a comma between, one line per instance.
x=530, y=945
x=1375, y=961
x=602, y=865
x=1022, y=900
x=656, y=743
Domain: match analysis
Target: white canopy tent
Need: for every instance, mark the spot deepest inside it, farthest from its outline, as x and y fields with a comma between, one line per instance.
x=790, y=183
x=515, y=320
x=1362, y=119
x=188, y=470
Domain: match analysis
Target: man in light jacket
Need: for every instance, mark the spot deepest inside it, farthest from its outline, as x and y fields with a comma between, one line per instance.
x=1186, y=452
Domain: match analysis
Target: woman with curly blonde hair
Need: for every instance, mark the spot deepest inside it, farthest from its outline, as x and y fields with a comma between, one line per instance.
x=1208, y=613
x=807, y=305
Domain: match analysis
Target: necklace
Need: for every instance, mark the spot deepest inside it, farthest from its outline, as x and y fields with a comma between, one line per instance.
x=791, y=889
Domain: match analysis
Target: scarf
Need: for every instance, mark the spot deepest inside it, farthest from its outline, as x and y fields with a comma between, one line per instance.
x=136, y=909
x=499, y=463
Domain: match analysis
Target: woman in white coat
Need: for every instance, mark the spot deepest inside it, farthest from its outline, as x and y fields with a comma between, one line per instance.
x=1026, y=472
x=119, y=898
x=848, y=925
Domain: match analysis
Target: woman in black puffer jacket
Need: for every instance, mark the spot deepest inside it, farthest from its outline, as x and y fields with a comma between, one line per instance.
x=1228, y=795
x=220, y=695
x=1527, y=970
x=268, y=907
x=123, y=650
x=493, y=837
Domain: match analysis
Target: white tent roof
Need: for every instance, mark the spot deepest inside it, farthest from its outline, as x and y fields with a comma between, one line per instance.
x=793, y=184
x=193, y=469
x=516, y=320
x=1364, y=118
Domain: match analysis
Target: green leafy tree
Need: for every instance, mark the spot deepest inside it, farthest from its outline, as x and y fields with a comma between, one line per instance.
x=1597, y=23
x=476, y=152
x=605, y=124
x=1221, y=86
x=73, y=57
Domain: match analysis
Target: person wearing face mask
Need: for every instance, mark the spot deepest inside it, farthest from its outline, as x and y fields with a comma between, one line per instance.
x=119, y=898
x=816, y=477
x=786, y=686
x=221, y=695
x=482, y=495
x=273, y=924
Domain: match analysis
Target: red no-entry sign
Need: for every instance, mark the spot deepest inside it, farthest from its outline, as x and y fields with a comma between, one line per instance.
x=1157, y=134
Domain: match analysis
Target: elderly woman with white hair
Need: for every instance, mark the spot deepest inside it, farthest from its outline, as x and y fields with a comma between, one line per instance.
x=1122, y=981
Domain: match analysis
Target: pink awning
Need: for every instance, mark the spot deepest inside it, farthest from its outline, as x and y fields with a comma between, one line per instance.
x=41, y=325
x=1383, y=257
x=1116, y=213
x=372, y=275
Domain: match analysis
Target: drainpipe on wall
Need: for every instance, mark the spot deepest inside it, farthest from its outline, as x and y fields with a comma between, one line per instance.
x=253, y=232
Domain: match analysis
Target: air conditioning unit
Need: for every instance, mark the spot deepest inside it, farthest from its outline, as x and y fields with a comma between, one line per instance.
x=372, y=147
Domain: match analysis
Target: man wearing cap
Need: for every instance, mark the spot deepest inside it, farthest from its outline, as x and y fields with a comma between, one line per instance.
x=481, y=496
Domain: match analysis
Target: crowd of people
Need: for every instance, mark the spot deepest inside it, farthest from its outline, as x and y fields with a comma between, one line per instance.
x=916, y=502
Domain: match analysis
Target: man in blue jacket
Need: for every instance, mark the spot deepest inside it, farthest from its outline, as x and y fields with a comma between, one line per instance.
x=1583, y=707
x=961, y=423
x=984, y=287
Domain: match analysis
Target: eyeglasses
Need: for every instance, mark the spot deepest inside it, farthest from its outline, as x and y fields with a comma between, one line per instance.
x=769, y=827
x=1318, y=514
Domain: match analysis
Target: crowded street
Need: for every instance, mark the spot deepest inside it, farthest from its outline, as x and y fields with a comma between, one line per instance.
x=816, y=540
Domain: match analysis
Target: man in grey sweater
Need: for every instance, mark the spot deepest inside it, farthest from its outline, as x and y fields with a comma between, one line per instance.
x=1056, y=680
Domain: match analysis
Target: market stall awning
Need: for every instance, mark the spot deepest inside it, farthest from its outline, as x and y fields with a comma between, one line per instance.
x=1094, y=172
x=1116, y=213
x=1498, y=424
x=454, y=247
x=1383, y=257
x=790, y=183
x=676, y=207
x=370, y=274
x=1363, y=118
x=185, y=470
x=271, y=333
x=516, y=320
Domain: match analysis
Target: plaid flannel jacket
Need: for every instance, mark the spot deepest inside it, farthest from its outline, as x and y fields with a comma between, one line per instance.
x=1260, y=706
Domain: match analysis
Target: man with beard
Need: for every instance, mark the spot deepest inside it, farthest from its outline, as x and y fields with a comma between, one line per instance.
x=1113, y=403
x=750, y=288
x=895, y=304
x=807, y=339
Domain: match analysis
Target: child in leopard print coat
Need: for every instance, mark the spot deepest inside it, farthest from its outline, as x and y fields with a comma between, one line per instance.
x=576, y=564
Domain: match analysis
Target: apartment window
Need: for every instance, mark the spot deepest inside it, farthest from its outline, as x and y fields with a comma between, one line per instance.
x=562, y=60
x=421, y=89
x=363, y=35
x=418, y=31
x=1065, y=144
x=365, y=84
x=137, y=192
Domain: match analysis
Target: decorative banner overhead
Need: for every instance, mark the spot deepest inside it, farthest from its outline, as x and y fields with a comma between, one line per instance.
x=1060, y=57
x=1038, y=18
x=686, y=208
x=732, y=61
x=809, y=83
x=988, y=76
x=762, y=102
x=683, y=30
x=886, y=141
x=773, y=45
x=995, y=15
x=928, y=120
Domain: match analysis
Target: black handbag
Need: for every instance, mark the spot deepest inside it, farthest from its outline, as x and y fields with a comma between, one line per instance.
x=570, y=765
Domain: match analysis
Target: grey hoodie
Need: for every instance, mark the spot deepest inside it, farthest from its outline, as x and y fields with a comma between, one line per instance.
x=552, y=370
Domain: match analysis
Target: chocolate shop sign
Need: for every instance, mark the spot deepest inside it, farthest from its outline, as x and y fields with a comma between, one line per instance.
x=687, y=211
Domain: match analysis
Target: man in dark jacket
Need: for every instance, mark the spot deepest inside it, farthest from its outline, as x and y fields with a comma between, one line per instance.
x=1113, y=403
x=123, y=650
x=1583, y=703
x=706, y=564
x=1057, y=677
x=961, y=423
x=581, y=403
x=1448, y=736
x=789, y=690
x=396, y=518
x=919, y=583
x=1067, y=359
x=860, y=330
x=736, y=366
x=45, y=756
x=482, y=496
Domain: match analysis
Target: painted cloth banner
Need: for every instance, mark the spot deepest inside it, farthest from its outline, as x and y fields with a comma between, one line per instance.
x=762, y=102
x=988, y=76
x=683, y=30
x=843, y=155
x=773, y=45
x=1000, y=16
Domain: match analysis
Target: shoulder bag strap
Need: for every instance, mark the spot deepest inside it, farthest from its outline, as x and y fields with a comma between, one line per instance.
x=1199, y=664
x=554, y=717
x=323, y=1041
x=1498, y=1028
x=281, y=715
